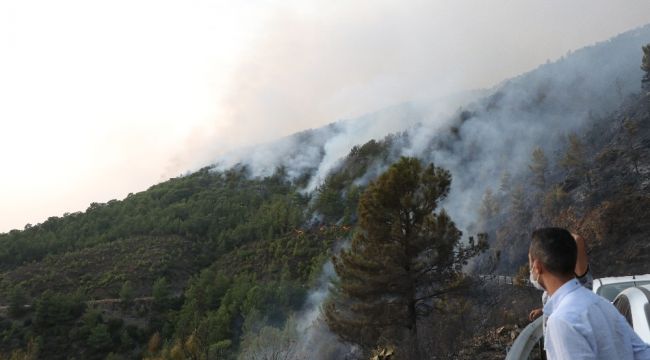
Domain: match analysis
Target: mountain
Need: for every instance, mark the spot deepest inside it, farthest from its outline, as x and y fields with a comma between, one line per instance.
x=220, y=262
x=485, y=137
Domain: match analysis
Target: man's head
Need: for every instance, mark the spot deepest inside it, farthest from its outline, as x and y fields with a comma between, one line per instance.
x=552, y=252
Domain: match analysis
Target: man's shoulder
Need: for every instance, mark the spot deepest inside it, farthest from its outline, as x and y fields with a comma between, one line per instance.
x=576, y=304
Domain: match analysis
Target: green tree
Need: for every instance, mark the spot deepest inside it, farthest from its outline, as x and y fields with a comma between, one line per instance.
x=31, y=353
x=328, y=197
x=56, y=310
x=403, y=256
x=127, y=294
x=539, y=167
x=645, y=66
x=489, y=206
x=90, y=319
x=518, y=203
x=100, y=338
x=632, y=131
x=161, y=294
x=126, y=340
x=17, y=302
x=554, y=199
x=575, y=159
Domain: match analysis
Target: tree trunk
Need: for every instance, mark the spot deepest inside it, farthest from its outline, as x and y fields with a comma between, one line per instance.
x=412, y=341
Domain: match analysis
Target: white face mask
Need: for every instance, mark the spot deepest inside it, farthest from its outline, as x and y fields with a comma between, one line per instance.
x=535, y=283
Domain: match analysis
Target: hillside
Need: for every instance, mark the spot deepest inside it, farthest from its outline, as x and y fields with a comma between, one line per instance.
x=100, y=271
x=233, y=255
x=190, y=229
x=611, y=212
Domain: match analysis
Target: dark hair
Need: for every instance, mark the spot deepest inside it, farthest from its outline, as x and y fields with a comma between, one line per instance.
x=556, y=249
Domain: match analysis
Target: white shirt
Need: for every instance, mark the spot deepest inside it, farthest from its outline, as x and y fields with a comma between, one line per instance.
x=586, y=280
x=583, y=325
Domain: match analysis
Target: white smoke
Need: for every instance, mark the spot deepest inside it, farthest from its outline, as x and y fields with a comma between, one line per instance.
x=533, y=110
x=316, y=341
x=493, y=135
x=319, y=151
x=502, y=128
x=311, y=310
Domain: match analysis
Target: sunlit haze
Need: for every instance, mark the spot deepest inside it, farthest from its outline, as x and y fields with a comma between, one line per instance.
x=100, y=99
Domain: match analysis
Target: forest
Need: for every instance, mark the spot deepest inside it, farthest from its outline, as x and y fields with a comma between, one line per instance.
x=193, y=262
x=221, y=263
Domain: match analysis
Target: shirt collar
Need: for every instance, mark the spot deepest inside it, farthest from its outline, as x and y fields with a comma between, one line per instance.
x=555, y=300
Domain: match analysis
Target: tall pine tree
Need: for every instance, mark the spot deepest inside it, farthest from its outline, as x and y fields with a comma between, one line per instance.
x=402, y=256
x=645, y=66
x=539, y=167
x=575, y=159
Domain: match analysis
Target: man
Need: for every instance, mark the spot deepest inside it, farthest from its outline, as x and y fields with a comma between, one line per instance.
x=580, y=324
x=582, y=272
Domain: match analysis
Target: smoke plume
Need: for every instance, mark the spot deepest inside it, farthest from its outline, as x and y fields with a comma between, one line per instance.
x=490, y=135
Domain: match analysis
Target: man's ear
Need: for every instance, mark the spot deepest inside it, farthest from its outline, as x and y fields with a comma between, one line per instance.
x=533, y=267
x=537, y=265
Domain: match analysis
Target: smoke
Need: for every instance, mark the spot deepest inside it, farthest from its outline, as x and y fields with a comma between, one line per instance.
x=313, y=63
x=537, y=109
x=315, y=338
x=317, y=152
x=490, y=135
x=311, y=310
x=304, y=335
x=495, y=132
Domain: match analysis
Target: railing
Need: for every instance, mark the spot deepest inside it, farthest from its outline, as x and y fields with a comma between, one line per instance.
x=526, y=341
x=504, y=280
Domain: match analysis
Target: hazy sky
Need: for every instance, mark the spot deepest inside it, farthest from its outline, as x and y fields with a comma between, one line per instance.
x=102, y=98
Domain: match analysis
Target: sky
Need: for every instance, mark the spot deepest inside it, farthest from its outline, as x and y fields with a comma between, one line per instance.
x=99, y=99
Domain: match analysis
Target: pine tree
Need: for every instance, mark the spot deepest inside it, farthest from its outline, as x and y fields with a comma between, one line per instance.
x=518, y=203
x=539, y=167
x=402, y=256
x=328, y=199
x=506, y=182
x=645, y=66
x=161, y=294
x=489, y=207
x=575, y=159
x=632, y=131
x=554, y=200
x=17, y=302
x=100, y=338
x=127, y=294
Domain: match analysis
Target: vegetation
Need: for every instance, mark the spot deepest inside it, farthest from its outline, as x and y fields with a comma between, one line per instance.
x=269, y=342
x=403, y=256
x=339, y=192
x=17, y=302
x=489, y=206
x=179, y=264
x=127, y=294
x=539, y=168
x=101, y=271
x=218, y=210
x=212, y=264
x=632, y=131
x=518, y=204
x=645, y=66
x=575, y=160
